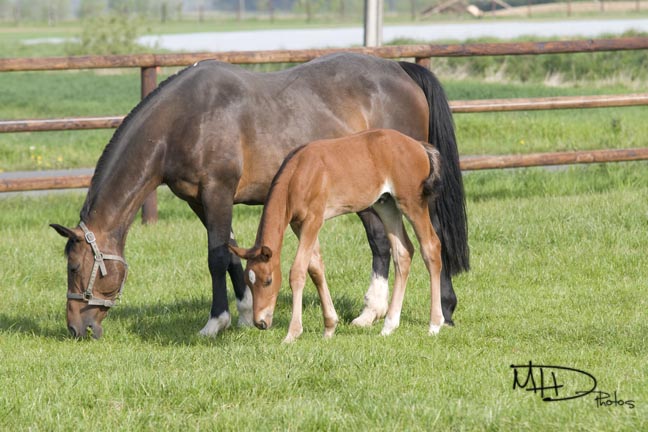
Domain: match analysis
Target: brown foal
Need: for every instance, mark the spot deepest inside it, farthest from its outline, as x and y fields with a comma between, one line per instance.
x=379, y=168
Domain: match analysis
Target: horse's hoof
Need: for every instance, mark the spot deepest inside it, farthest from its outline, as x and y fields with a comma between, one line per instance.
x=216, y=325
x=245, y=321
x=244, y=307
x=366, y=319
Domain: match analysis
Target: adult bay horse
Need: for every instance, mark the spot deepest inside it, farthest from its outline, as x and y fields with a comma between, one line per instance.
x=382, y=169
x=216, y=134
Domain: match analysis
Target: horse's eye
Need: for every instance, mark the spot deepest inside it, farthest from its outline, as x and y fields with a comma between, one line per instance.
x=268, y=282
x=74, y=268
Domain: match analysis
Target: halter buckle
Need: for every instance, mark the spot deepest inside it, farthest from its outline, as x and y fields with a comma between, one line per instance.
x=90, y=237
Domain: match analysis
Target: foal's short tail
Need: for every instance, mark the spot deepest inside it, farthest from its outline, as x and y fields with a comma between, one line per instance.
x=432, y=184
x=450, y=206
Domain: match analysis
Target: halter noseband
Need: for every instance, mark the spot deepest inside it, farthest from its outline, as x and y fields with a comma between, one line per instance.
x=99, y=264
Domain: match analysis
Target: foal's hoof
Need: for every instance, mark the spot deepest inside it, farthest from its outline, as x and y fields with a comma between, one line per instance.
x=216, y=325
x=435, y=328
x=389, y=327
x=328, y=333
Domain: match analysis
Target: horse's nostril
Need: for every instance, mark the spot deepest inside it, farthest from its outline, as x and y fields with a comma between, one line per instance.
x=73, y=331
x=261, y=325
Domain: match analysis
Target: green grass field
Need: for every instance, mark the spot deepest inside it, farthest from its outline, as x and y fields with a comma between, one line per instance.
x=558, y=278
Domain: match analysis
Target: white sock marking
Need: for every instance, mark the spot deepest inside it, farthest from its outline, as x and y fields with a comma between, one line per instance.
x=244, y=307
x=216, y=325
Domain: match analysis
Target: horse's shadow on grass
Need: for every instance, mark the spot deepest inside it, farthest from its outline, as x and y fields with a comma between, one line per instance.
x=179, y=322
x=30, y=326
x=170, y=323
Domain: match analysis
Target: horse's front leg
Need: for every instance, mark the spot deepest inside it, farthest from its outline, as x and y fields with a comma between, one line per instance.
x=217, y=201
x=241, y=290
x=307, y=233
x=377, y=297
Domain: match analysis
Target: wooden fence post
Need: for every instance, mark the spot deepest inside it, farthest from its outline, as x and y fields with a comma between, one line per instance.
x=148, y=84
x=423, y=61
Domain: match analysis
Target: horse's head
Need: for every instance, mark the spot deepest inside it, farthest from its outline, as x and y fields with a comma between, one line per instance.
x=263, y=276
x=95, y=279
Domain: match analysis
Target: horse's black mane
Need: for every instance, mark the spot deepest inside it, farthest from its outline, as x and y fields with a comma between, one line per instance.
x=98, y=172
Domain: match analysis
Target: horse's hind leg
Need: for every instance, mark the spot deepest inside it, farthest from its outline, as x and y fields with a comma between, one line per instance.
x=448, y=296
x=431, y=252
x=402, y=251
x=316, y=273
x=377, y=296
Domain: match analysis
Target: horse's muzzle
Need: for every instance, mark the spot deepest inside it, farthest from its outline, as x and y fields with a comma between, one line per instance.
x=81, y=332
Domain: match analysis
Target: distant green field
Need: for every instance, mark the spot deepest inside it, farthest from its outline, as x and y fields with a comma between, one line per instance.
x=87, y=93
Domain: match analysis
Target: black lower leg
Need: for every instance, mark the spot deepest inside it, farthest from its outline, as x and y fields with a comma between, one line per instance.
x=235, y=271
x=219, y=262
x=378, y=242
x=448, y=296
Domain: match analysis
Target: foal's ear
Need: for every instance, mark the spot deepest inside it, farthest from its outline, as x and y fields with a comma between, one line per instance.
x=65, y=232
x=238, y=251
x=266, y=253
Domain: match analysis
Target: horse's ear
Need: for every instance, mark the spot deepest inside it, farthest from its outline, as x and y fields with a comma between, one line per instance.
x=238, y=251
x=66, y=232
x=266, y=253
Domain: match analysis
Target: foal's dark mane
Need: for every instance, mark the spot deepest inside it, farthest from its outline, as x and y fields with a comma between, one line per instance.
x=275, y=180
x=97, y=177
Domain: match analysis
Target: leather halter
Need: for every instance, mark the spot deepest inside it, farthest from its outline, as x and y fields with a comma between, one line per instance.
x=99, y=264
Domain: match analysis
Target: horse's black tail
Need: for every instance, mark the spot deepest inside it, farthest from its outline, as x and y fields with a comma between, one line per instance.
x=450, y=206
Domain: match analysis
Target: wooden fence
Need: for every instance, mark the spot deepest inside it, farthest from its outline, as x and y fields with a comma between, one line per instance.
x=148, y=64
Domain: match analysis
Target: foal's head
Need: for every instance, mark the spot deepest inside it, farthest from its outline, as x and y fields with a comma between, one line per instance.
x=95, y=278
x=263, y=276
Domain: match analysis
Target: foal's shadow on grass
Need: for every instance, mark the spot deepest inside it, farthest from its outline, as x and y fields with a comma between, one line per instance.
x=346, y=307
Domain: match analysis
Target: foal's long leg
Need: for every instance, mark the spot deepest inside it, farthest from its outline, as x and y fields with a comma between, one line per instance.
x=377, y=296
x=316, y=273
x=431, y=252
x=308, y=232
x=402, y=251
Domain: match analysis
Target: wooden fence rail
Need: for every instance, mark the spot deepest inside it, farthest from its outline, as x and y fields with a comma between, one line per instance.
x=458, y=106
x=299, y=56
x=148, y=64
x=470, y=163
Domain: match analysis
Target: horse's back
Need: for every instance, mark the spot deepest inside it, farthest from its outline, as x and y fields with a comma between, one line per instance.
x=249, y=121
